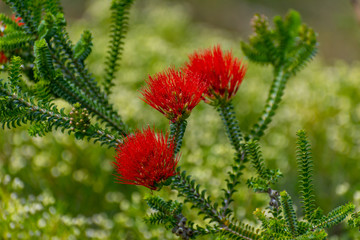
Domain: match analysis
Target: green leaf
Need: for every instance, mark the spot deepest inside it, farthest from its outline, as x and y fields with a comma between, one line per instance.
x=289, y=213
x=119, y=17
x=305, y=168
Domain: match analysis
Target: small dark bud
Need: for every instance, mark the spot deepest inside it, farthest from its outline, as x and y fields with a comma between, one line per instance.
x=179, y=231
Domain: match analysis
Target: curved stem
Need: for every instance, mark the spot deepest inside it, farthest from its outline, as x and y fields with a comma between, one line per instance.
x=272, y=103
x=186, y=187
x=107, y=114
x=177, y=131
x=231, y=124
x=234, y=134
x=58, y=118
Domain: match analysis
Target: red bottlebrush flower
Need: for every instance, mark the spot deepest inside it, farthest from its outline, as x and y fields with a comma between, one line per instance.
x=174, y=93
x=3, y=58
x=146, y=158
x=223, y=71
x=17, y=20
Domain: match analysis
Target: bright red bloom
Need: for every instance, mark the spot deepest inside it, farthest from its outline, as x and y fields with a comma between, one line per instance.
x=3, y=58
x=146, y=158
x=174, y=93
x=17, y=20
x=223, y=71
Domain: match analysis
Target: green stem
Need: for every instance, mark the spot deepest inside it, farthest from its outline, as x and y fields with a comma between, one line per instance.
x=186, y=187
x=232, y=128
x=231, y=124
x=272, y=103
x=103, y=112
x=59, y=119
x=177, y=131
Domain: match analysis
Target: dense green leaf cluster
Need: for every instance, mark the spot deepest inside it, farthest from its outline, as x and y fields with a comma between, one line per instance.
x=119, y=27
x=266, y=177
x=59, y=71
x=287, y=48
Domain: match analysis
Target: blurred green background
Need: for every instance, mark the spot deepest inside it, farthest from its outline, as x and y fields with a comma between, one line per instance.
x=57, y=188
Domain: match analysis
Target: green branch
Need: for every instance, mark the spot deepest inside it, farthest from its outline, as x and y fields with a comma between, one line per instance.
x=305, y=168
x=289, y=213
x=119, y=17
x=177, y=131
x=272, y=103
x=187, y=188
x=233, y=132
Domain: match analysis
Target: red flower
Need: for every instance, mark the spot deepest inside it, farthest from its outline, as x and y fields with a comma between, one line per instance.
x=174, y=93
x=3, y=58
x=223, y=71
x=17, y=20
x=146, y=158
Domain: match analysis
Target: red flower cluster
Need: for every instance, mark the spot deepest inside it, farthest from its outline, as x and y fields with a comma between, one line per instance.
x=17, y=20
x=174, y=93
x=3, y=58
x=146, y=158
x=223, y=72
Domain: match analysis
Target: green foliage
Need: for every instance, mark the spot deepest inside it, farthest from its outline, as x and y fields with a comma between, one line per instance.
x=234, y=134
x=187, y=188
x=25, y=10
x=79, y=118
x=315, y=235
x=240, y=231
x=231, y=124
x=18, y=108
x=9, y=23
x=43, y=62
x=39, y=129
x=354, y=220
x=15, y=73
x=289, y=227
x=266, y=176
x=305, y=167
x=59, y=63
x=167, y=213
x=119, y=27
x=82, y=48
x=290, y=45
x=177, y=131
x=15, y=40
x=288, y=48
x=336, y=216
x=289, y=214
